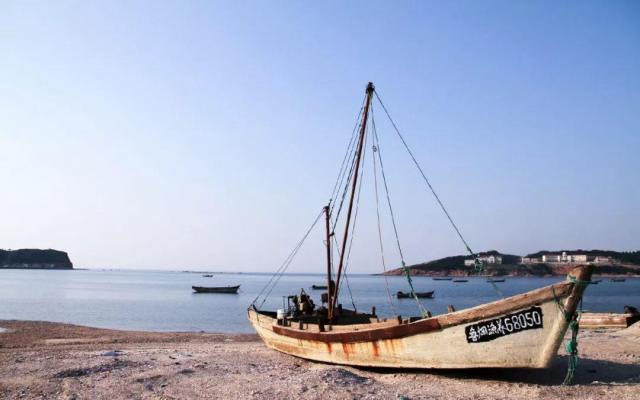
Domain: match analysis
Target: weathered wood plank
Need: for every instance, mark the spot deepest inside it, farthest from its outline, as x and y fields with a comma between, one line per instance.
x=607, y=320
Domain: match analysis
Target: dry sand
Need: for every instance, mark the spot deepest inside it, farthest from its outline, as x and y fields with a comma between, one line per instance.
x=40, y=360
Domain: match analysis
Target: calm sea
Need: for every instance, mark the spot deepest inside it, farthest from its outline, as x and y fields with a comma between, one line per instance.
x=164, y=301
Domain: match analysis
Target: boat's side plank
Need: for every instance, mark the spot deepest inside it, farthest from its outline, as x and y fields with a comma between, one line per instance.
x=607, y=320
x=391, y=332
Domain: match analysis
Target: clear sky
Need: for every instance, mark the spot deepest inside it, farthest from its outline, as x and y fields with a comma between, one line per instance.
x=198, y=134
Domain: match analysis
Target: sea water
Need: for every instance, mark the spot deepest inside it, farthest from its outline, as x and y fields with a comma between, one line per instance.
x=164, y=301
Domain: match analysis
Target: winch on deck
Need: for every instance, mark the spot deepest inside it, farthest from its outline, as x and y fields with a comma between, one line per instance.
x=301, y=308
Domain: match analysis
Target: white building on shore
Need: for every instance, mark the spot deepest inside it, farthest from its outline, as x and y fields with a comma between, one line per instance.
x=488, y=259
x=565, y=258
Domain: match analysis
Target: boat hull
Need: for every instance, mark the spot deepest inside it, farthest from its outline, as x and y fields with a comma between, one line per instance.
x=225, y=289
x=443, y=341
x=421, y=295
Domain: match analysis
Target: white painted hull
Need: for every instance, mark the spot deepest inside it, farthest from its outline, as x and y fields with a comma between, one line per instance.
x=444, y=342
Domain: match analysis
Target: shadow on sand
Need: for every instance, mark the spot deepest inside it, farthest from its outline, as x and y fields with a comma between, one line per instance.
x=589, y=371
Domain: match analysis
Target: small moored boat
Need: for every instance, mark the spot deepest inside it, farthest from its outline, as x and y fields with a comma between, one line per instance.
x=618, y=280
x=500, y=280
x=219, y=289
x=422, y=295
x=460, y=280
x=207, y=276
x=441, y=279
x=319, y=287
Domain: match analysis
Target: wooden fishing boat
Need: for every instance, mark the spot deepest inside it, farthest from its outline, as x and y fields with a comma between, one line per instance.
x=319, y=287
x=422, y=295
x=218, y=289
x=521, y=331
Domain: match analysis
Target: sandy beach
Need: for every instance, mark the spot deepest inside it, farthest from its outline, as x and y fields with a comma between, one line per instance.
x=40, y=360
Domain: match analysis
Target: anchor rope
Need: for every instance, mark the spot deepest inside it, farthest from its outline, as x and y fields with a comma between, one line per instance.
x=573, y=319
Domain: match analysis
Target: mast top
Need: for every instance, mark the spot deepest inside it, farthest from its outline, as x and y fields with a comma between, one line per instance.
x=370, y=87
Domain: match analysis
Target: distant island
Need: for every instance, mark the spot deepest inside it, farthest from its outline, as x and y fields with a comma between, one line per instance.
x=541, y=263
x=34, y=259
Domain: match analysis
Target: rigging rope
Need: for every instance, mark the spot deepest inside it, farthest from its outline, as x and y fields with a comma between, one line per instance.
x=355, y=216
x=283, y=267
x=353, y=303
x=347, y=156
x=479, y=265
x=406, y=270
x=406, y=146
x=384, y=264
x=348, y=160
x=335, y=241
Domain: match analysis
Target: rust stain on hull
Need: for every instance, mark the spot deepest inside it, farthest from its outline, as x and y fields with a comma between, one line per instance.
x=390, y=346
x=376, y=349
x=329, y=349
x=346, y=349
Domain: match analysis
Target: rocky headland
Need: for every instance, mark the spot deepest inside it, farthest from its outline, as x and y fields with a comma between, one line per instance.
x=34, y=259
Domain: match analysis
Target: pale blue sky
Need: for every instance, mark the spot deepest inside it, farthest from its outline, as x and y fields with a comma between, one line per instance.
x=208, y=134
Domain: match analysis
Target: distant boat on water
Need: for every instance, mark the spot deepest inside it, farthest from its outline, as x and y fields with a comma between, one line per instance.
x=219, y=289
x=460, y=280
x=207, y=276
x=422, y=295
x=441, y=279
x=319, y=287
x=496, y=280
x=618, y=279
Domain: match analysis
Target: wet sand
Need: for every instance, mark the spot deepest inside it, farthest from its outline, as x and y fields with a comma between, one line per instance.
x=41, y=360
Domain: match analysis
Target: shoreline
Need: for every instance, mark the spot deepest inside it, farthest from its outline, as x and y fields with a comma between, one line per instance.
x=450, y=274
x=55, y=360
x=461, y=273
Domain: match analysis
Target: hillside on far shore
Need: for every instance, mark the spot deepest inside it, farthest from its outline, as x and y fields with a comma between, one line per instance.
x=541, y=263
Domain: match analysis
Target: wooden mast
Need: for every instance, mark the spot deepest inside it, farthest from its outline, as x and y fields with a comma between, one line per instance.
x=363, y=128
x=327, y=218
